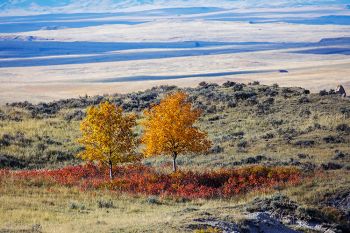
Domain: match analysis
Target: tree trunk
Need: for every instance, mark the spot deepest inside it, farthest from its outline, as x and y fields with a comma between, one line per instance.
x=174, y=161
x=110, y=170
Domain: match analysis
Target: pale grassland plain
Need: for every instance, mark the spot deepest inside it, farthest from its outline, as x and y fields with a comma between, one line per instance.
x=280, y=46
x=313, y=72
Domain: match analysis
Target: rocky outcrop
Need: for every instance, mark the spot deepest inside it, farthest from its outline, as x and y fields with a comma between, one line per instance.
x=291, y=214
x=340, y=90
x=261, y=222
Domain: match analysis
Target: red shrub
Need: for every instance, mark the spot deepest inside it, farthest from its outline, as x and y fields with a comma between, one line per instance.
x=142, y=180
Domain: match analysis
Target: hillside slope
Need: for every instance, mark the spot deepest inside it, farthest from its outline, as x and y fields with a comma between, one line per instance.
x=283, y=125
x=249, y=124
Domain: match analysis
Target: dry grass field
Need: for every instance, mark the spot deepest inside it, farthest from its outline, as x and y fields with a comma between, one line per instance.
x=162, y=47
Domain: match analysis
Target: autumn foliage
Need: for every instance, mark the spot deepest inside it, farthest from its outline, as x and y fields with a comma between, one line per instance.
x=142, y=180
x=107, y=136
x=169, y=128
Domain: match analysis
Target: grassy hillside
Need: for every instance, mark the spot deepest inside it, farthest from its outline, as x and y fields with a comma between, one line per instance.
x=248, y=124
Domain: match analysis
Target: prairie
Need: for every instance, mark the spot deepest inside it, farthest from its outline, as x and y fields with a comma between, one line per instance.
x=69, y=55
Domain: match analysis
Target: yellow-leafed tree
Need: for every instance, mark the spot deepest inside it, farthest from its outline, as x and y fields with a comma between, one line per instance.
x=107, y=136
x=169, y=128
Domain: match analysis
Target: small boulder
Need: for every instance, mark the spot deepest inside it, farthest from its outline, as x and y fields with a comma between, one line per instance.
x=340, y=90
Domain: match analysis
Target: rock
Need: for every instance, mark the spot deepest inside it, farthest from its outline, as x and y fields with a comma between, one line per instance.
x=261, y=222
x=226, y=227
x=277, y=205
x=314, y=227
x=339, y=199
x=279, y=211
x=340, y=91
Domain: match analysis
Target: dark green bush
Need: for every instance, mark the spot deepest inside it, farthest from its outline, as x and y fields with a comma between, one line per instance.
x=343, y=128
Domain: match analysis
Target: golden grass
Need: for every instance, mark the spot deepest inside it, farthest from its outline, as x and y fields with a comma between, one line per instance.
x=22, y=208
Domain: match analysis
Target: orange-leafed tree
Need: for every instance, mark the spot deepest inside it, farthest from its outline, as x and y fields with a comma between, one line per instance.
x=169, y=129
x=107, y=136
